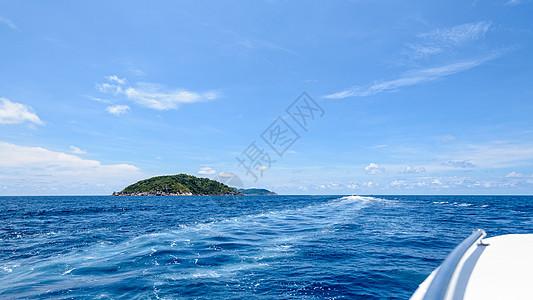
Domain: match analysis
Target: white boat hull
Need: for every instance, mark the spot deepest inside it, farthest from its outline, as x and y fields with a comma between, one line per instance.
x=500, y=267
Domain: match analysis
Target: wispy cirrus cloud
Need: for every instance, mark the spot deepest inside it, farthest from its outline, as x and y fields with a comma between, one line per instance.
x=152, y=95
x=516, y=2
x=446, y=41
x=456, y=35
x=438, y=41
x=16, y=113
x=99, y=99
x=412, y=78
x=8, y=22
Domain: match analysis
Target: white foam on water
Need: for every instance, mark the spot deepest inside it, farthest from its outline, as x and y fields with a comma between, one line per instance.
x=7, y=269
x=200, y=251
x=68, y=271
x=457, y=204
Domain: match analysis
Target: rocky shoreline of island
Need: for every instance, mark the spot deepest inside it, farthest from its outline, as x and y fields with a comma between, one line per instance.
x=151, y=193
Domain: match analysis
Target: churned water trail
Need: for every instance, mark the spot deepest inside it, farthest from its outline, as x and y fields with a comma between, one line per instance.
x=272, y=247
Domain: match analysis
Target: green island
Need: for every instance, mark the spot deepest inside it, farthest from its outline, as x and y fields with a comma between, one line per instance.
x=184, y=185
x=255, y=191
x=176, y=185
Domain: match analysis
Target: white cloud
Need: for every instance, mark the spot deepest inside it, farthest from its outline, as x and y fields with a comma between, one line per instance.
x=514, y=174
x=413, y=170
x=111, y=88
x=152, y=95
x=353, y=186
x=117, y=109
x=373, y=169
x=459, y=164
x=8, y=22
x=12, y=155
x=225, y=175
x=370, y=184
x=114, y=78
x=36, y=168
x=206, y=171
x=436, y=182
x=77, y=150
x=14, y=113
x=397, y=183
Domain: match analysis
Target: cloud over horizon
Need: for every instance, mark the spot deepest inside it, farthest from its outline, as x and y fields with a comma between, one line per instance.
x=23, y=165
x=206, y=171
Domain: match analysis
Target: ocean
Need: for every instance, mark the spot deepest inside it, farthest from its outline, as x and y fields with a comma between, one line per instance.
x=242, y=247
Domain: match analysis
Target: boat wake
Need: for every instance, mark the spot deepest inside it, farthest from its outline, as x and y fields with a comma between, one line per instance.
x=181, y=257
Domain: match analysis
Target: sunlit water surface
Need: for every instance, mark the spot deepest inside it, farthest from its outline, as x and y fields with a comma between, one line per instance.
x=270, y=247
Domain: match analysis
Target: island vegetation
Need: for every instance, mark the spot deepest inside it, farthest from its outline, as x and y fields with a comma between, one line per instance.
x=177, y=185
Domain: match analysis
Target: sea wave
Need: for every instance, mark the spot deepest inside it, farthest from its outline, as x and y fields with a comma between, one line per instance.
x=271, y=247
x=198, y=251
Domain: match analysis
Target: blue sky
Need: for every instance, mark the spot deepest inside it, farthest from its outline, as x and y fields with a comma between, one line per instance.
x=417, y=97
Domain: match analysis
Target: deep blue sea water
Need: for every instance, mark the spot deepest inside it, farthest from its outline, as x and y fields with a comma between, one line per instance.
x=246, y=247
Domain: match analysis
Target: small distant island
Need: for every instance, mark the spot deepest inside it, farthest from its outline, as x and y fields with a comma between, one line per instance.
x=184, y=185
x=255, y=191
